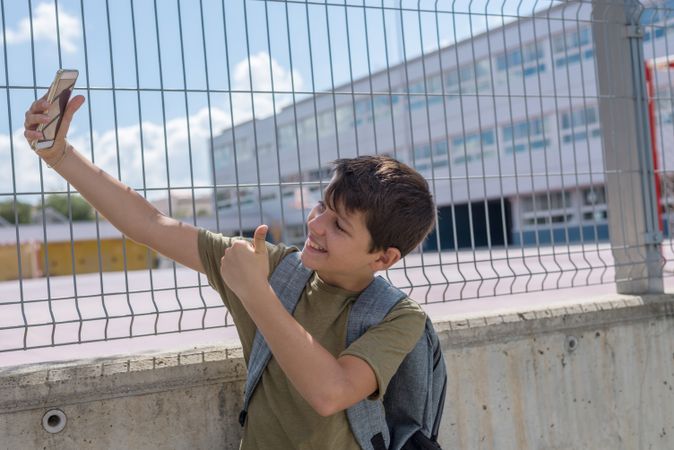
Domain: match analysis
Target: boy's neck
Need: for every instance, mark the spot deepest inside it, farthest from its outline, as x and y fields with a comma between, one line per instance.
x=352, y=283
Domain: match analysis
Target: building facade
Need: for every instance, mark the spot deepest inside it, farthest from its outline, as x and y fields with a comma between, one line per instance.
x=505, y=126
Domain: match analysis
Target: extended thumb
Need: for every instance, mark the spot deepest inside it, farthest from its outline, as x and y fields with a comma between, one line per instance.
x=259, y=238
x=73, y=105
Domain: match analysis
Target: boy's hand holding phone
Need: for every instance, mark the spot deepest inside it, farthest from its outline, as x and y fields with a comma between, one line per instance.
x=48, y=118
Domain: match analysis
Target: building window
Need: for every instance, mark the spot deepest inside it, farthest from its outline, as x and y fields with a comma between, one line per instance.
x=383, y=105
x=546, y=201
x=548, y=208
x=655, y=33
x=656, y=19
x=326, y=123
x=595, y=195
x=322, y=174
x=430, y=91
x=525, y=135
x=469, y=79
x=223, y=198
x=422, y=152
x=344, y=118
x=440, y=150
x=473, y=147
x=594, y=207
x=572, y=47
x=649, y=16
x=223, y=157
x=430, y=155
x=244, y=150
x=581, y=124
x=268, y=196
x=286, y=138
x=230, y=198
x=307, y=130
x=452, y=82
x=294, y=234
x=522, y=61
x=416, y=95
x=363, y=111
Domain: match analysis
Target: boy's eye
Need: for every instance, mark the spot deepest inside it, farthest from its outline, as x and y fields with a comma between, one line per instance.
x=321, y=208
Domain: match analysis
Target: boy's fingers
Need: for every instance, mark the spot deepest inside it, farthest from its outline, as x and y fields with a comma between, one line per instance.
x=259, y=239
x=30, y=135
x=33, y=120
x=40, y=104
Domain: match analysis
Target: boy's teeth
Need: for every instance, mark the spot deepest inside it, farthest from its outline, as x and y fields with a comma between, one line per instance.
x=312, y=245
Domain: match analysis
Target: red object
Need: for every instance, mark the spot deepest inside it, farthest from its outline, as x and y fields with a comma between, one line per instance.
x=650, y=66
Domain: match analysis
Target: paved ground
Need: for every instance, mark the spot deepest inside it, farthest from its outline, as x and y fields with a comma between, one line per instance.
x=163, y=301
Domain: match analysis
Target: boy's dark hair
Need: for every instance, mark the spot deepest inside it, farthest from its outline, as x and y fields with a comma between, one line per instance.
x=398, y=207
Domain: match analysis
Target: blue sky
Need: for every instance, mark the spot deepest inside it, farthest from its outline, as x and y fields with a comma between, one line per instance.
x=258, y=34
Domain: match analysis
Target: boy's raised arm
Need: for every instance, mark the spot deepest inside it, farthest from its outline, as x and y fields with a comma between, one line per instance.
x=122, y=206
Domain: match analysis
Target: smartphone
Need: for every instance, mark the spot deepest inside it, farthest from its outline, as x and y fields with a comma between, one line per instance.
x=57, y=96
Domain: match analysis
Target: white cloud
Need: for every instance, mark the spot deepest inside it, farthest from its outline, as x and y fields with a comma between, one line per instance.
x=131, y=158
x=44, y=28
x=155, y=152
x=256, y=67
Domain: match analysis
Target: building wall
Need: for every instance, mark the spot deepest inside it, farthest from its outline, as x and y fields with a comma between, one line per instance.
x=597, y=375
x=9, y=261
x=86, y=253
x=508, y=114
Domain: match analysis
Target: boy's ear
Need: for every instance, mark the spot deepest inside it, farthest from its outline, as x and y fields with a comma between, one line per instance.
x=387, y=258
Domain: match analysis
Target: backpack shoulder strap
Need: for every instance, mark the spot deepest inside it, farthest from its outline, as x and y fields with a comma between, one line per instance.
x=288, y=281
x=367, y=418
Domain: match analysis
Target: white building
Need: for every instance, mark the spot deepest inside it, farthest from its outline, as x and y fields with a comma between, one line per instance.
x=505, y=126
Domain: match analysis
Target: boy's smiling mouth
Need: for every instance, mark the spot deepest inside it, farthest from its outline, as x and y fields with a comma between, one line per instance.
x=313, y=246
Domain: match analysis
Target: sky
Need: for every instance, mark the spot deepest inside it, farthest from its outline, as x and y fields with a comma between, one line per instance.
x=161, y=63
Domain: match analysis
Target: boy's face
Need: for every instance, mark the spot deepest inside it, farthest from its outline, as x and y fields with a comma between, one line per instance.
x=337, y=247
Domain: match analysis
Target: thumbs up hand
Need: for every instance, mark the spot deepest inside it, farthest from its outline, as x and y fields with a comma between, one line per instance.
x=245, y=265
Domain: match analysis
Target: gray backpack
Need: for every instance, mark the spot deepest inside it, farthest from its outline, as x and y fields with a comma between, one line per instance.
x=409, y=416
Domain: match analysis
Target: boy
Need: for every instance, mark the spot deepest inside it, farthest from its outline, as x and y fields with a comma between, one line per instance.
x=376, y=210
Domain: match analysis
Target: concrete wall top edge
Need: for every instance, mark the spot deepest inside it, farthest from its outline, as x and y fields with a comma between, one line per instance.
x=39, y=386
x=601, y=312
x=121, y=363
x=34, y=386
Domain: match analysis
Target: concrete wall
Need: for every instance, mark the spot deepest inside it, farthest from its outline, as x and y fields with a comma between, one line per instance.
x=598, y=375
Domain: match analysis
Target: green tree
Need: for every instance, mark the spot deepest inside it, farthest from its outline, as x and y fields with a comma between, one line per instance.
x=24, y=211
x=81, y=209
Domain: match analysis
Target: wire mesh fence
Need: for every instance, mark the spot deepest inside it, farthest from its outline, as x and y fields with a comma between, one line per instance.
x=227, y=115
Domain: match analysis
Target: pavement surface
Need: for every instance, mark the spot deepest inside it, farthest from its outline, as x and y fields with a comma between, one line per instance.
x=59, y=319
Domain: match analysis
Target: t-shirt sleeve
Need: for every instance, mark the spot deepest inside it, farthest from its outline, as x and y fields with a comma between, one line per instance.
x=385, y=345
x=211, y=249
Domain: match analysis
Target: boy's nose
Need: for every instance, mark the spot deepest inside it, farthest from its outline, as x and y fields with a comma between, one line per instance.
x=315, y=224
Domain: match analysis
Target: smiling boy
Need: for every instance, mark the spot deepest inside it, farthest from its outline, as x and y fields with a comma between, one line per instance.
x=376, y=210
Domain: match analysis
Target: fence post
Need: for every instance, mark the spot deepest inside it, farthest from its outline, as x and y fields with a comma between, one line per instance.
x=630, y=175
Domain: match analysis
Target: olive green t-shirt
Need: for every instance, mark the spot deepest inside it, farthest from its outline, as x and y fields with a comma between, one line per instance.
x=278, y=416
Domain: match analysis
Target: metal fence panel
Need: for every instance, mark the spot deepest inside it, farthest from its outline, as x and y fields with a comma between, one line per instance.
x=226, y=114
